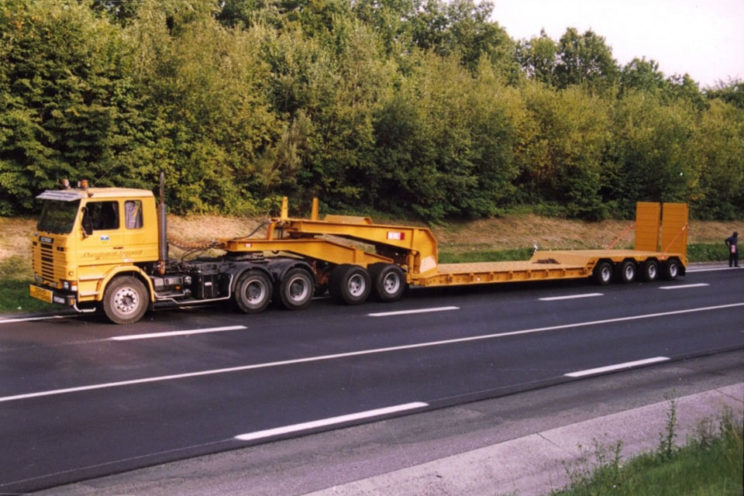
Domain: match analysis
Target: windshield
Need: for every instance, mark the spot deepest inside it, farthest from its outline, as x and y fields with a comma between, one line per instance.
x=58, y=217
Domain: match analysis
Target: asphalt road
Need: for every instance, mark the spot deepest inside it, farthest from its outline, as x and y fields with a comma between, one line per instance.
x=80, y=398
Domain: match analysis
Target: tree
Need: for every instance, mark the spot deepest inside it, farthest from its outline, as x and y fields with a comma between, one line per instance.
x=643, y=75
x=585, y=60
x=538, y=58
x=69, y=103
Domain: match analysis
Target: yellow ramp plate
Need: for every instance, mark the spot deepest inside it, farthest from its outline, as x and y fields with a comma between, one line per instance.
x=647, y=226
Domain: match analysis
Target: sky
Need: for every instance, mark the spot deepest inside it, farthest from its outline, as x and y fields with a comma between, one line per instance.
x=703, y=38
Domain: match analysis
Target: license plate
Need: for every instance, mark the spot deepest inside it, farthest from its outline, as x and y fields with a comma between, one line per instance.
x=40, y=293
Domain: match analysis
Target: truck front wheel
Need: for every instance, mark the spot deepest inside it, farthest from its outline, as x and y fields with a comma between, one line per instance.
x=253, y=292
x=125, y=300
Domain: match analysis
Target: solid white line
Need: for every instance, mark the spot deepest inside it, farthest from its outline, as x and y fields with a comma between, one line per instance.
x=335, y=356
x=306, y=426
x=571, y=297
x=618, y=366
x=411, y=312
x=686, y=286
x=154, y=335
x=31, y=319
x=711, y=269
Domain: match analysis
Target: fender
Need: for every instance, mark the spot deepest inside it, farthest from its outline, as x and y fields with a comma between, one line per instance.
x=278, y=268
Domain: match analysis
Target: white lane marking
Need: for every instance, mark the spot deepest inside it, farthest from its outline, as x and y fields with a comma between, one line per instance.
x=335, y=356
x=411, y=312
x=31, y=319
x=154, y=335
x=306, y=426
x=686, y=286
x=705, y=269
x=617, y=366
x=571, y=297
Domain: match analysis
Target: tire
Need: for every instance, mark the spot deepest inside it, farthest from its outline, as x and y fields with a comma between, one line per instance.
x=253, y=292
x=125, y=300
x=350, y=284
x=388, y=281
x=626, y=271
x=650, y=270
x=670, y=269
x=603, y=273
x=296, y=289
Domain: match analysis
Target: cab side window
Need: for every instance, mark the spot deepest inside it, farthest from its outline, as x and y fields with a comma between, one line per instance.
x=133, y=214
x=103, y=215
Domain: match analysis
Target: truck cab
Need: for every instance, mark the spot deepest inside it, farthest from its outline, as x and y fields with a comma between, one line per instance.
x=86, y=236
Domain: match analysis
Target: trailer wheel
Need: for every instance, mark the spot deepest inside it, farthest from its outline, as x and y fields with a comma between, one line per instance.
x=650, y=270
x=350, y=284
x=253, y=292
x=603, y=273
x=125, y=300
x=389, y=281
x=296, y=289
x=671, y=269
x=626, y=271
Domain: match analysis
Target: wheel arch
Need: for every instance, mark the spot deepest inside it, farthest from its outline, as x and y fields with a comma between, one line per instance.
x=132, y=271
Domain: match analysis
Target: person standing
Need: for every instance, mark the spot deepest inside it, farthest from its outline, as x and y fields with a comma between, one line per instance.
x=733, y=250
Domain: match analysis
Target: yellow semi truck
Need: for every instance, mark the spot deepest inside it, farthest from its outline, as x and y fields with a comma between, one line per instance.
x=107, y=249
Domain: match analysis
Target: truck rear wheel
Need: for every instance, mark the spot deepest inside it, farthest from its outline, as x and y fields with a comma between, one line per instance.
x=650, y=270
x=603, y=273
x=350, y=284
x=296, y=289
x=389, y=281
x=671, y=269
x=626, y=271
x=125, y=300
x=253, y=292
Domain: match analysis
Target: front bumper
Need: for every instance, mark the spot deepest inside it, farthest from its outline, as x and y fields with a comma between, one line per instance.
x=48, y=295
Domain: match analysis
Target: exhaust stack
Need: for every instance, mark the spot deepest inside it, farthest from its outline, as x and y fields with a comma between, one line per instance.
x=162, y=228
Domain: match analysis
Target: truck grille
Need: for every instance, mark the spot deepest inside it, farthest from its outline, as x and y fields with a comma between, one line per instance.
x=47, y=262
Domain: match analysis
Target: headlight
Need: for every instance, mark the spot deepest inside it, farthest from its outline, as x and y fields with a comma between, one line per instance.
x=66, y=285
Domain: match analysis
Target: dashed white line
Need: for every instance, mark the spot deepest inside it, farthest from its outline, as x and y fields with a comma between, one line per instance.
x=375, y=351
x=412, y=312
x=686, y=286
x=571, y=297
x=352, y=417
x=617, y=366
x=154, y=335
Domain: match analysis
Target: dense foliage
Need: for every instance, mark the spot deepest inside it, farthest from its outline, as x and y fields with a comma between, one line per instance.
x=422, y=106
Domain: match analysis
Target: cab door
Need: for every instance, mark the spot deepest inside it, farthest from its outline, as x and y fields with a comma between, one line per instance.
x=104, y=235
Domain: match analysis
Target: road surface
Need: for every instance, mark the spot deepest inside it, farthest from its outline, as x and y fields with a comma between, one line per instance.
x=80, y=398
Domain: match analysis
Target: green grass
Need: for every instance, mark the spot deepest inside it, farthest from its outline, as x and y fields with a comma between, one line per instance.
x=14, y=296
x=707, y=252
x=485, y=256
x=696, y=252
x=710, y=464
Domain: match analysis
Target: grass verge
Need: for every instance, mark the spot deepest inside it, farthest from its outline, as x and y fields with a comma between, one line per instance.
x=14, y=296
x=710, y=463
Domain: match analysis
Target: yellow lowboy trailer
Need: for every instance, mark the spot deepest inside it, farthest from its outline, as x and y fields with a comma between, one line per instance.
x=385, y=258
x=107, y=249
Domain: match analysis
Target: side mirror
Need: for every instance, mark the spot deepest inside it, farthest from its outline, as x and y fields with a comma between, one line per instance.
x=87, y=223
